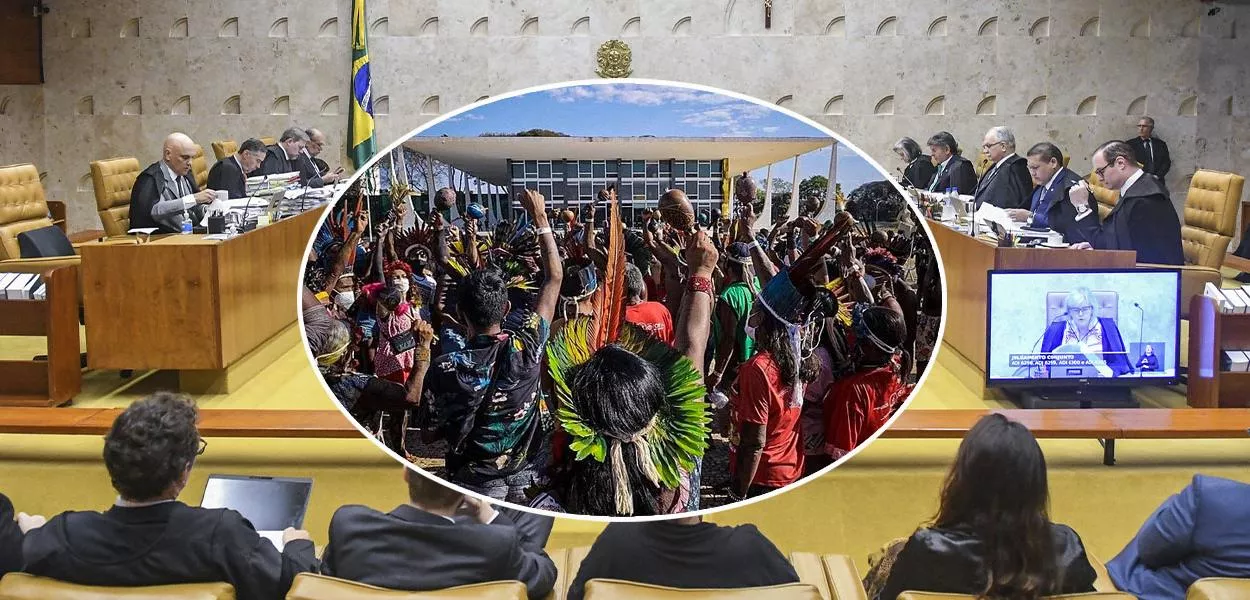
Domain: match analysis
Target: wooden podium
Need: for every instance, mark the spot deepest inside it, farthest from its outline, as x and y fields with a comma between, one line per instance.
x=58, y=379
x=1209, y=332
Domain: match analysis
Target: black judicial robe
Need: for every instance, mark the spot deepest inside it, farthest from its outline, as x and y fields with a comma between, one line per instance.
x=1142, y=220
x=228, y=175
x=1006, y=186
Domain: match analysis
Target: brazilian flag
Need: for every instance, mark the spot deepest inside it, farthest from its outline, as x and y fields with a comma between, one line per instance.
x=360, y=117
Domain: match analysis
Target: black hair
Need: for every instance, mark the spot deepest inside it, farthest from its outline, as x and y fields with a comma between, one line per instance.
x=943, y=139
x=427, y=492
x=1047, y=151
x=772, y=337
x=252, y=145
x=151, y=444
x=887, y=325
x=617, y=393
x=997, y=489
x=483, y=297
x=1117, y=149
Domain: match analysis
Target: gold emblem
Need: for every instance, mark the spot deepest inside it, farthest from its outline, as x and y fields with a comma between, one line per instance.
x=613, y=58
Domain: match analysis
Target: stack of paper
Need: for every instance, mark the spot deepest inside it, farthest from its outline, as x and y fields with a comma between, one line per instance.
x=1229, y=300
x=19, y=286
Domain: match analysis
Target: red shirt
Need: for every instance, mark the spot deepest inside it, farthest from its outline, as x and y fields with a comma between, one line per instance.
x=762, y=399
x=857, y=406
x=654, y=317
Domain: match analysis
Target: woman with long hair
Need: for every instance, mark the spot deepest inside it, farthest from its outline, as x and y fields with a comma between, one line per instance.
x=992, y=536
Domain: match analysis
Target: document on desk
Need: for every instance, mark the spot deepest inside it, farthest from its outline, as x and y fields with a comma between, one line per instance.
x=988, y=213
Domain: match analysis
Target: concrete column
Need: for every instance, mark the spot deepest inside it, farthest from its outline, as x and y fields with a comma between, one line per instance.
x=833, y=176
x=766, y=219
x=793, y=211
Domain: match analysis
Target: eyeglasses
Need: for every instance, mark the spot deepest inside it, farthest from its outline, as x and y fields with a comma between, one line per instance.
x=1099, y=172
x=988, y=146
x=1084, y=310
x=203, y=447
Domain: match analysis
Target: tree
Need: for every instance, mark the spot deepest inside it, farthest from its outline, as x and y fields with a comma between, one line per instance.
x=527, y=133
x=816, y=186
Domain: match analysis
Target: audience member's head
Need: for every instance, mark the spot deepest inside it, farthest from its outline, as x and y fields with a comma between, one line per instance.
x=483, y=299
x=251, y=154
x=884, y=333
x=907, y=149
x=1044, y=160
x=737, y=262
x=941, y=146
x=389, y=299
x=635, y=287
x=178, y=151
x=426, y=493
x=316, y=141
x=151, y=446
x=293, y=140
x=1114, y=162
x=334, y=345
x=1145, y=128
x=618, y=394
x=997, y=490
x=999, y=142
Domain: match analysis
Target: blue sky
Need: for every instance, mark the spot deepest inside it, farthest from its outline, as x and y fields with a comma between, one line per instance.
x=631, y=109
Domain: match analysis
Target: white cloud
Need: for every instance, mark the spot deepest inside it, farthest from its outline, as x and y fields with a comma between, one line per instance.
x=637, y=95
x=771, y=129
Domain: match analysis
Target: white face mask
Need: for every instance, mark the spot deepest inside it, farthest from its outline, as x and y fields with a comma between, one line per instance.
x=401, y=285
x=345, y=300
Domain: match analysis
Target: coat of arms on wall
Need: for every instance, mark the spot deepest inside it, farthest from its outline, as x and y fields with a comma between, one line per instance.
x=614, y=59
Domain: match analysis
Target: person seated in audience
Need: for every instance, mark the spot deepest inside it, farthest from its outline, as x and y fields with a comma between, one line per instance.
x=426, y=544
x=651, y=316
x=1081, y=331
x=500, y=450
x=1049, y=206
x=313, y=171
x=283, y=156
x=12, y=527
x=230, y=172
x=919, y=170
x=1006, y=182
x=952, y=169
x=683, y=553
x=1200, y=532
x=164, y=195
x=148, y=537
x=992, y=536
x=1143, y=219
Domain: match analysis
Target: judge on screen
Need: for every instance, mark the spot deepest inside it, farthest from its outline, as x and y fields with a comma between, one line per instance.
x=1079, y=331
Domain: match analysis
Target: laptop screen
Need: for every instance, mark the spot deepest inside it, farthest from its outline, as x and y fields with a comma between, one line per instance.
x=269, y=503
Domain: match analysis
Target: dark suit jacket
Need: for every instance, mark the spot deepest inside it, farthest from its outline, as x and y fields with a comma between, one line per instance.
x=704, y=555
x=10, y=538
x=1143, y=220
x=919, y=172
x=410, y=549
x=165, y=544
x=309, y=172
x=959, y=173
x=228, y=175
x=1008, y=186
x=1200, y=532
x=1060, y=214
x=953, y=561
x=1112, y=341
x=149, y=189
x=275, y=162
x=1162, y=162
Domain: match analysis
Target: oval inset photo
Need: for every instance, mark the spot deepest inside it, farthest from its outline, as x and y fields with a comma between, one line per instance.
x=622, y=299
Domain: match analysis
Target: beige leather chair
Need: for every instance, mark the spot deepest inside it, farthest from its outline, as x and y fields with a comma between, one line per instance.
x=1090, y=596
x=833, y=575
x=1219, y=588
x=113, y=179
x=224, y=148
x=199, y=168
x=1210, y=217
x=23, y=208
x=611, y=589
x=268, y=141
x=21, y=586
x=309, y=586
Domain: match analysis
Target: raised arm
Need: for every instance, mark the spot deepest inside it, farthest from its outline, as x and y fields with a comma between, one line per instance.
x=340, y=263
x=695, y=318
x=549, y=294
x=424, y=333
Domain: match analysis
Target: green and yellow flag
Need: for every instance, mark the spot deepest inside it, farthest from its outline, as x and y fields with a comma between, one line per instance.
x=360, y=117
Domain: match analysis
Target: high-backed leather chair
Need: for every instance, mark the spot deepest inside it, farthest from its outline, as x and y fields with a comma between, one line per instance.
x=611, y=589
x=1210, y=217
x=23, y=208
x=1219, y=588
x=1090, y=596
x=199, y=168
x=224, y=148
x=22, y=586
x=1106, y=304
x=833, y=575
x=310, y=586
x=268, y=141
x=113, y=178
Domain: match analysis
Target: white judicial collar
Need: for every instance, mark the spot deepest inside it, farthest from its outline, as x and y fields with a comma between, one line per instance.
x=1131, y=180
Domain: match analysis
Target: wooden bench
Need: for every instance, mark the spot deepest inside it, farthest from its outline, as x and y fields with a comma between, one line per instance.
x=1105, y=425
x=213, y=422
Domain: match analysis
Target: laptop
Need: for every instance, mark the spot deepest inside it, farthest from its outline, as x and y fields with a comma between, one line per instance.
x=270, y=504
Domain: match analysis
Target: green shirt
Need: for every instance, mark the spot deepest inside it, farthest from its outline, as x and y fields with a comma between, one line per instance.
x=740, y=298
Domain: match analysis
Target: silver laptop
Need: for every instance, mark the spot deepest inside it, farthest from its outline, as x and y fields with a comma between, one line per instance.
x=270, y=504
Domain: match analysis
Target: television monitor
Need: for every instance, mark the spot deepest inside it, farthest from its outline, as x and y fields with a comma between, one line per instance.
x=1078, y=328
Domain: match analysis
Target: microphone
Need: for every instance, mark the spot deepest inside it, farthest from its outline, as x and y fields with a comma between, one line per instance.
x=1141, y=323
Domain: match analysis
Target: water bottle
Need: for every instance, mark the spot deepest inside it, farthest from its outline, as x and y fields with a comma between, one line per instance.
x=186, y=226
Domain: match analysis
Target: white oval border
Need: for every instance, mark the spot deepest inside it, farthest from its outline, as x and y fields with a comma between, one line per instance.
x=381, y=154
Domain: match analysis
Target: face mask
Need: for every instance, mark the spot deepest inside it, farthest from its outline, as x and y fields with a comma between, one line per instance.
x=345, y=300
x=749, y=330
x=401, y=285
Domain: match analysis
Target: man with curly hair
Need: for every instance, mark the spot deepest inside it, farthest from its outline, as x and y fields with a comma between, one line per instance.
x=148, y=537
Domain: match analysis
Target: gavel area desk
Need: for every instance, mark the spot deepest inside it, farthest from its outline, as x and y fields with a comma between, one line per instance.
x=966, y=261
x=205, y=308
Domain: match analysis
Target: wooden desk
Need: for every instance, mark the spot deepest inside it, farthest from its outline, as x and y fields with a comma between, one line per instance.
x=214, y=422
x=186, y=303
x=966, y=261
